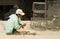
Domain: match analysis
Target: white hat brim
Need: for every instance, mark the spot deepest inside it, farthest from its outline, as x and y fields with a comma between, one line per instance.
x=19, y=11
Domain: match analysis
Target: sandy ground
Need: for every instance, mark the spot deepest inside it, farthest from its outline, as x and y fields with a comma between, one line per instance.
x=40, y=34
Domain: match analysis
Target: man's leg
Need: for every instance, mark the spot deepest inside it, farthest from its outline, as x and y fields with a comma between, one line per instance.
x=14, y=31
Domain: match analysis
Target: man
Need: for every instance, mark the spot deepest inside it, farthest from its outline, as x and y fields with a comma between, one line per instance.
x=14, y=22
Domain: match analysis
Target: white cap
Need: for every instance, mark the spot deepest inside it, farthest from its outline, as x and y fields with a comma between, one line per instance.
x=19, y=11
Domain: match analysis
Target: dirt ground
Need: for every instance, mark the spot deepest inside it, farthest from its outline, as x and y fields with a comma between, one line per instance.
x=39, y=34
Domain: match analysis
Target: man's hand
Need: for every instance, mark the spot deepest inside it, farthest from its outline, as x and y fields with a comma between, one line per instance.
x=22, y=26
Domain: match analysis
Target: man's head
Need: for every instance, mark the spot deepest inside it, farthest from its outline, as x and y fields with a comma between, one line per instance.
x=19, y=13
